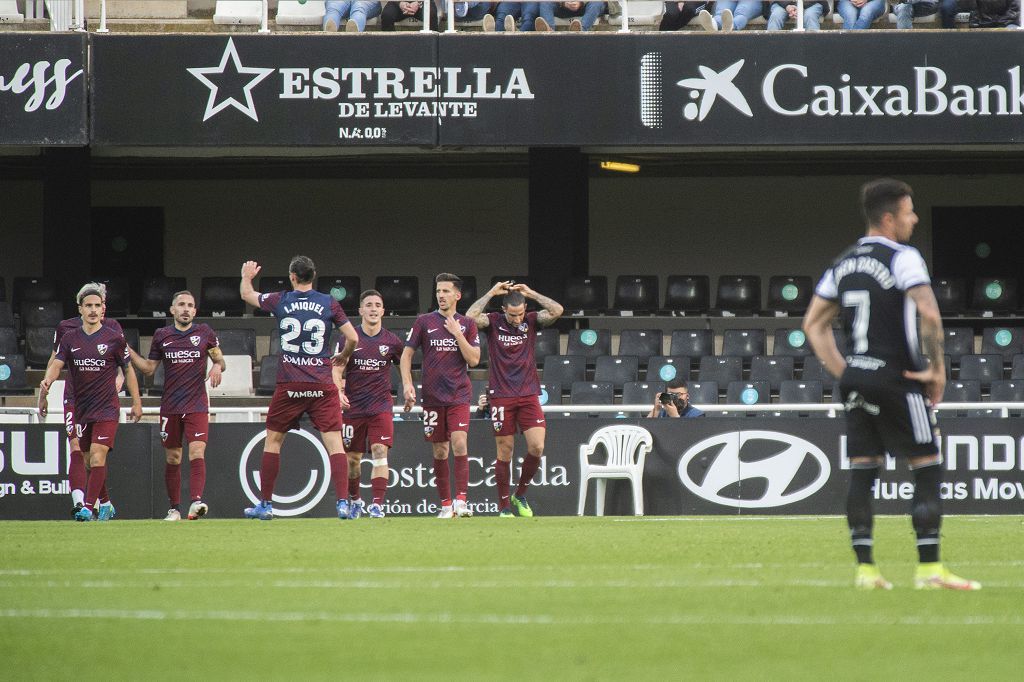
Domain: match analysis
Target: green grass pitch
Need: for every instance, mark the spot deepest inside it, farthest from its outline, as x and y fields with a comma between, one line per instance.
x=488, y=598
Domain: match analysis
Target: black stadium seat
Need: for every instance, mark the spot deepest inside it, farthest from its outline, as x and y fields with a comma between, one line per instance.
x=118, y=296
x=3, y=289
x=703, y=392
x=643, y=343
x=38, y=346
x=721, y=369
x=792, y=343
x=564, y=369
x=13, y=380
x=641, y=392
x=586, y=295
x=8, y=341
x=401, y=294
x=6, y=315
x=131, y=337
x=550, y=393
x=951, y=294
x=219, y=297
x=343, y=288
x=469, y=294
x=616, y=369
x=636, y=294
x=981, y=368
x=959, y=342
x=744, y=343
x=547, y=343
x=748, y=393
x=590, y=343
x=41, y=313
x=34, y=290
x=1017, y=369
x=1005, y=341
x=794, y=391
x=269, y=284
x=1007, y=391
x=789, y=294
x=157, y=293
x=994, y=295
x=773, y=369
x=738, y=295
x=668, y=367
x=815, y=371
x=268, y=375
x=239, y=342
x=687, y=295
x=591, y=393
x=692, y=343
x=962, y=392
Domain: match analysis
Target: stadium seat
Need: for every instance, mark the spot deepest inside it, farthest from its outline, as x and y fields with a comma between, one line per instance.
x=1005, y=341
x=687, y=295
x=344, y=289
x=219, y=297
x=300, y=13
x=550, y=393
x=401, y=294
x=469, y=294
x=981, y=368
x=959, y=342
x=636, y=294
x=794, y=391
x=692, y=343
x=237, y=379
x=951, y=294
x=8, y=341
x=244, y=12
x=547, y=343
x=616, y=369
x=738, y=295
x=703, y=392
x=590, y=343
x=55, y=403
x=41, y=313
x=268, y=375
x=641, y=392
x=1017, y=368
x=157, y=293
x=748, y=393
x=270, y=284
x=626, y=449
x=789, y=294
x=744, y=343
x=773, y=369
x=720, y=369
x=587, y=295
x=962, y=392
x=592, y=393
x=157, y=387
x=3, y=288
x=668, y=367
x=131, y=337
x=34, y=290
x=38, y=346
x=791, y=343
x=1007, y=391
x=643, y=343
x=13, y=380
x=564, y=369
x=118, y=295
x=6, y=315
x=994, y=295
x=815, y=371
x=641, y=13
x=239, y=342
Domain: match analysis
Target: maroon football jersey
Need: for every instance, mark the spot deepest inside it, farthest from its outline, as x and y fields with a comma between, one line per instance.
x=445, y=373
x=92, y=361
x=63, y=328
x=512, y=356
x=184, y=356
x=368, y=373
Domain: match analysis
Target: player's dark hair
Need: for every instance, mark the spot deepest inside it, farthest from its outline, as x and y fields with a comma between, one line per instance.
x=449, y=277
x=183, y=292
x=882, y=196
x=676, y=383
x=513, y=298
x=368, y=293
x=303, y=269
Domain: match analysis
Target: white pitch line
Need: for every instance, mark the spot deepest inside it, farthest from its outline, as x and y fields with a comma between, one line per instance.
x=500, y=619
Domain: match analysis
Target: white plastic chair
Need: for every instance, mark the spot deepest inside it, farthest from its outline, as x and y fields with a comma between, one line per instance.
x=244, y=12
x=9, y=13
x=627, y=447
x=55, y=403
x=237, y=380
x=294, y=13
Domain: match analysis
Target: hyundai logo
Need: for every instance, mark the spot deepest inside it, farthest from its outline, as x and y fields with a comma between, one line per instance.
x=754, y=469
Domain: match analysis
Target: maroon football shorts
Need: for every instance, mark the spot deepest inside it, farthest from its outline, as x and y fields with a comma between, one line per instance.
x=362, y=433
x=511, y=414
x=293, y=399
x=178, y=428
x=101, y=433
x=440, y=422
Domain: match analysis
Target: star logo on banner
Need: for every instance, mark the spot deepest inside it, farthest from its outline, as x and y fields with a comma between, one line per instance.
x=203, y=74
x=714, y=85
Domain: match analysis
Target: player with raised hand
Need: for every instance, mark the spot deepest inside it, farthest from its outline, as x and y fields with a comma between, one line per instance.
x=93, y=353
x=183, y=347
x=365, y=383
x=450, y=343
x=513, y=386
x=305, y=382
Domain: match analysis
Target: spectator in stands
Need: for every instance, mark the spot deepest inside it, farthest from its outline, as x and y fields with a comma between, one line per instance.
x=907, y=10
x=674, y=402
x=995, y=14
x=679, y=14
x=781, y=12
x=540, y=16
x=860, y=14
x=358, y=13
x=400, y=11
x=506, y=15
x=731, y=15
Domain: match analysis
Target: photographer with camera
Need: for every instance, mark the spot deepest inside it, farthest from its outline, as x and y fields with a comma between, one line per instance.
x=674, y=402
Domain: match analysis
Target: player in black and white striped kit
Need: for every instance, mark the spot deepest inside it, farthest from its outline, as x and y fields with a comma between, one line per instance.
x=878, y=288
